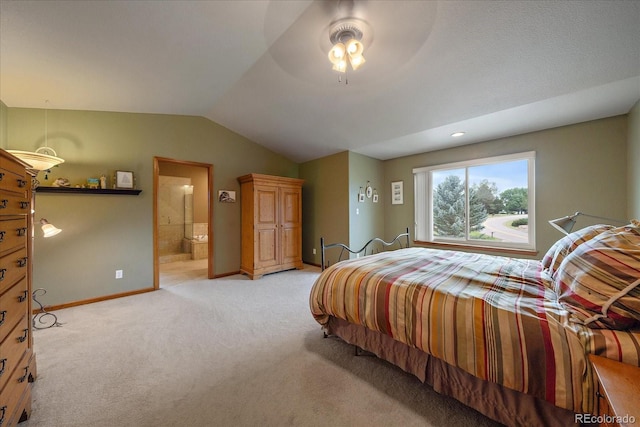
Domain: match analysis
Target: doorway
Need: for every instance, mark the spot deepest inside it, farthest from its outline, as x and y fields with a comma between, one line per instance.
x=182, y=220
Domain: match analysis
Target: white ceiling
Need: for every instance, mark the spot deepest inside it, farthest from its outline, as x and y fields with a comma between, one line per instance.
x=260, y=68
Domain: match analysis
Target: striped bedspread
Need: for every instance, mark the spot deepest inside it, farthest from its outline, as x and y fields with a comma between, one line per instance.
x=497, y=318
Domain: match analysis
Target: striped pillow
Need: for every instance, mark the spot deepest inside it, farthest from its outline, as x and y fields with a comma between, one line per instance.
x=563, y=247
x=599, y=282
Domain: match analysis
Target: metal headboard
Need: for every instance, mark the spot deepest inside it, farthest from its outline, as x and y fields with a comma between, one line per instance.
x=363, y=250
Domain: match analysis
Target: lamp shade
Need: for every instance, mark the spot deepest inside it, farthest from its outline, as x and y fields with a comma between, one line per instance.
x=564, y=224
x=49, y=230
x=37, y=161
x=354, y=47
x=356, y=61
x=337, y=53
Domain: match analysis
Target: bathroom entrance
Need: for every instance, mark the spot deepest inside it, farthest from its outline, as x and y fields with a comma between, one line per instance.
x=183, y=246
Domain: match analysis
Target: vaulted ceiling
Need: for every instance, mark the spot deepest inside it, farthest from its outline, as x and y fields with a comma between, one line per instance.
x=488, y=68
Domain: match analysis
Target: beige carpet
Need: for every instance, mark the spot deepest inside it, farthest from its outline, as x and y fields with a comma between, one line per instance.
x=225, y=352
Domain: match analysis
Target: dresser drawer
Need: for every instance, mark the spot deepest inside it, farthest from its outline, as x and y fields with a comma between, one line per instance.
x=13, y=234
x=13, y=348
x=13, y=177
x=14, y=204
x=14, y=304
x=13, y=267
x=13, y=383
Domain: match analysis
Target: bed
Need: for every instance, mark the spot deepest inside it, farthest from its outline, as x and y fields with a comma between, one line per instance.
x=508, y=337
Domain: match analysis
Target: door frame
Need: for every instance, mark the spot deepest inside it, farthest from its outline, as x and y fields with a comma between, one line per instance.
x=156, y=221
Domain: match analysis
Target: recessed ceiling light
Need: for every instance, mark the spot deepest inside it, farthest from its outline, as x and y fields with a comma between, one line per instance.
x=457, y=134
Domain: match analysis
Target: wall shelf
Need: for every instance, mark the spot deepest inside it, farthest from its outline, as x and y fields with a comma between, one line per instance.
x=74, y=190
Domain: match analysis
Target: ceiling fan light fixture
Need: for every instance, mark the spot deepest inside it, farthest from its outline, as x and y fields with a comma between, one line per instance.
x=347, y=47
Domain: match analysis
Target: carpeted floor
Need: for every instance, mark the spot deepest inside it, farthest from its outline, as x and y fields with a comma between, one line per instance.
x=224, y=352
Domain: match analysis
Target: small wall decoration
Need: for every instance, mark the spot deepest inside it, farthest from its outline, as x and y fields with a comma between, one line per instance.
x=369, y=190
x=361, y=195
x=61, y=182
x=124, y=179
x=397, y=197
x=375, y=196
x=93, y=183
x=226, y=196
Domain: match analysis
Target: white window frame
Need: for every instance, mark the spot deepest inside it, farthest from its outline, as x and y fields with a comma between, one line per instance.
x=423, y=197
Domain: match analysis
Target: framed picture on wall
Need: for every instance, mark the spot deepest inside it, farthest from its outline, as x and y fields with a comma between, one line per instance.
x=226, y=196
x=397, y=197
x=124, y=179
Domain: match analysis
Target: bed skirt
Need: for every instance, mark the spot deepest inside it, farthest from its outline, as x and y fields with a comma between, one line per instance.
x=499, y=403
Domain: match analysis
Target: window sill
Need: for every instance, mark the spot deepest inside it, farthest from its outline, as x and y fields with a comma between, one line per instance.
x=477, y=248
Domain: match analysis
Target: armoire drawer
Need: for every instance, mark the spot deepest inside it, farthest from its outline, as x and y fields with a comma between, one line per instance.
x=14, y=304
x=13, y=267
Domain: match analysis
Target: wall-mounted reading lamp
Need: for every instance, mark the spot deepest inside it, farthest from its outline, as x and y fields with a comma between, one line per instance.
x=49, y=230
x=566, y=223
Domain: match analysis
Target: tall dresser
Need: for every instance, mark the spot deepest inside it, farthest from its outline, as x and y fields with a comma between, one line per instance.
x=271, y=224
x=17, y=360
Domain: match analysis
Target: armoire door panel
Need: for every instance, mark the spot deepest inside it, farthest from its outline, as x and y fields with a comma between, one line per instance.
x=291, y=245
x=266, y=247
x=266, y=206
x=291, y=206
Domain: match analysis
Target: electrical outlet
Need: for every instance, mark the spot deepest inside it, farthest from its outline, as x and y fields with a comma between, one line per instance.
x=314, y=251
x=118, y=274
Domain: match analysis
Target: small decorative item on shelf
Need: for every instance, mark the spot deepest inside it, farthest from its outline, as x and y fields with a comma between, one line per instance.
x=61, y=182
x=124, y=180
x=103, y=182
x=93, y=183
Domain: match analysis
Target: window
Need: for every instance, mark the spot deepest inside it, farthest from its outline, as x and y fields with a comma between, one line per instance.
x=482, y=202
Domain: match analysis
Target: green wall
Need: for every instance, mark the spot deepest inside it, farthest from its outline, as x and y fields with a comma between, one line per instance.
x=104, y=233
x=325, y=203
x=580, y=167
x=633, y=161
x=366, y=219
x=330, y=203
x=3, y=124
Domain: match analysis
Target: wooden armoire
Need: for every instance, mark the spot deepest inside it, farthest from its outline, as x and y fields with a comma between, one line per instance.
x=17, y=360
x=271, y=224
